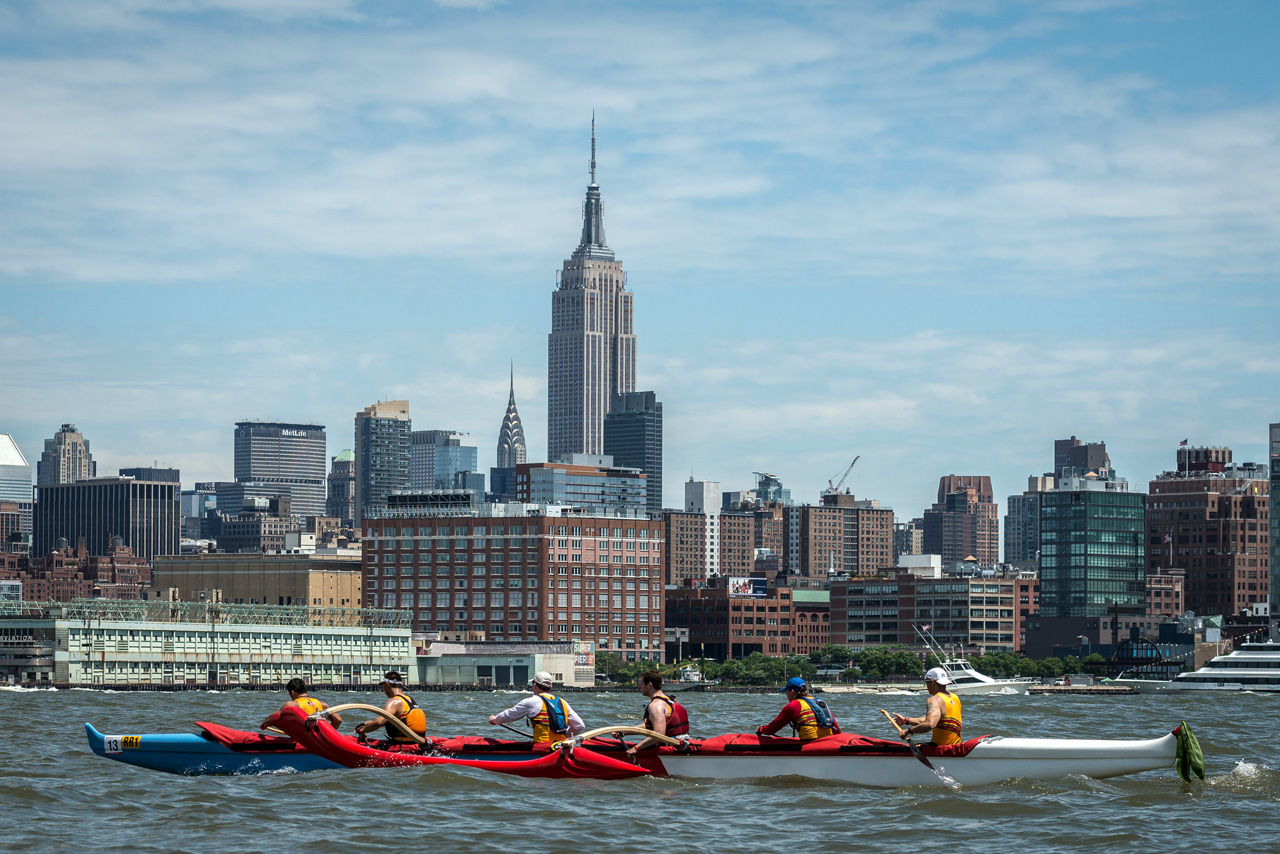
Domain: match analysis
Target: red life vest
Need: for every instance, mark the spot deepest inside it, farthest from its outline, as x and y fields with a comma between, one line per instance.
x=677, y=717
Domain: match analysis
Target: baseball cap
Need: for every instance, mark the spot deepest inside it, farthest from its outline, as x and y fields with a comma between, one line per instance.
x=543, y=679
x=937, y=674
x=795, y=683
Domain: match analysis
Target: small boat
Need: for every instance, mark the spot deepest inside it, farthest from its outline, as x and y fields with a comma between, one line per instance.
x=691, y=679
x=1249, y=667
x=856, y=759
x=214, y=750
x=964, y=679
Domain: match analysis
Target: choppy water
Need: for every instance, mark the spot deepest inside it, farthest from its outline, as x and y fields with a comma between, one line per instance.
x=56, y=796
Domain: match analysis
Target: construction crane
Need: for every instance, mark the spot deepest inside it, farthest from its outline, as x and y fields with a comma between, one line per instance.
x=834, y=486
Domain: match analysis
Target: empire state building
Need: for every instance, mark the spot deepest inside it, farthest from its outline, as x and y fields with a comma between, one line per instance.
x=591, y=351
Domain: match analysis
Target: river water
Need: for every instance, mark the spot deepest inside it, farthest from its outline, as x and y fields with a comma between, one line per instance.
x=56, y=796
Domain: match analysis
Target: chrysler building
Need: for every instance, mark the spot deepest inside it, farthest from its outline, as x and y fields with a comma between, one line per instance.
x=591, y=351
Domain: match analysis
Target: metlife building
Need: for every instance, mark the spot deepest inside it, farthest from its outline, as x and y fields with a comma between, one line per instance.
x=292, y=456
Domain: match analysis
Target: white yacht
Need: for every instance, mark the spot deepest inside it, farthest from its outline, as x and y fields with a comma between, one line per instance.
x=966, y=680
x=1250, y=667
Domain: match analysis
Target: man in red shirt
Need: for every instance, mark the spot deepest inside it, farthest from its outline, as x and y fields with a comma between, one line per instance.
x=810, y=718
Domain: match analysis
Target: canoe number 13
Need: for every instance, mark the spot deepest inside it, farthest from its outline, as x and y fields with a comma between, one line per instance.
x=119, y=743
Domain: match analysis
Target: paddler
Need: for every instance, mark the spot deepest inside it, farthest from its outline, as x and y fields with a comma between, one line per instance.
x=662, y=714
x=808, y=716
x=298, y=699
x=942, y=711
x=400, y=705
x=553, y=719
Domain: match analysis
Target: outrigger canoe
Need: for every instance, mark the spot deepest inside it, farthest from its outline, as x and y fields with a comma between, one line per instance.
x=856, y=759
x=215, y=750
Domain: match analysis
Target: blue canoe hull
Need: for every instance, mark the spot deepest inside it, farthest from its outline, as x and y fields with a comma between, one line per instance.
x=193, y=755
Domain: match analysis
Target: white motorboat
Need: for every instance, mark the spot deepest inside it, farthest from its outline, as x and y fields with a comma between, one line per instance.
x=1249, y=667
x=964, y=679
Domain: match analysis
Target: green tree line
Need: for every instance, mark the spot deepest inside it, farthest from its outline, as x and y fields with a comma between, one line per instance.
x=876, y=664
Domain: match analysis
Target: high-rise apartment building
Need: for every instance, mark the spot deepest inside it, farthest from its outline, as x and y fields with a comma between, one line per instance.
x=1092, y=548
x=289, y=457
x=964, y=522
x=591, y=351
x=867, y=538
x=15, y=481
x=382, y=455
x=1022, y=521
x=437, y=457
x=145, y=515
x=1273, y=445
x=522, y=573
x=1211, y=518
x=341, y=503
x=908, y=539
x=66, y=458
x=633, y=437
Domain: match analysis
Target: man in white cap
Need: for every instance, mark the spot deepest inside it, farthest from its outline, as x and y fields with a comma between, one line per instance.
x=553, y=719
x=942, y=711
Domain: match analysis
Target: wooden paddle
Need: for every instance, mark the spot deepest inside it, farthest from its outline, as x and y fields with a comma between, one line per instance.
x=918, y=753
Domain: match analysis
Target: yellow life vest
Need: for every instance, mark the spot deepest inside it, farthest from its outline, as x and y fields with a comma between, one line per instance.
x=806, y=724
x=310, y=705
x=542, y=725
x=413, y=717
x=948, y=729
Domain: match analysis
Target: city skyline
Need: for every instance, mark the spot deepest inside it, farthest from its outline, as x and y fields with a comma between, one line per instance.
x=937, y=240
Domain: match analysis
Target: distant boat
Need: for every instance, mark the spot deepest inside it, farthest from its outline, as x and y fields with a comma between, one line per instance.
x=690, y=679
x=966, y=680
x=1250, y=667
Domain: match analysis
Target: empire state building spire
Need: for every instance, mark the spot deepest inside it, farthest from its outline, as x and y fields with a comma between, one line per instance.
x=591, y=351
x=592, y=244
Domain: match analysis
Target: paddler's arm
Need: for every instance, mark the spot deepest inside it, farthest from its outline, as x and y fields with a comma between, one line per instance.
x=334, y=717
x=274, y=718
x=576, y=724
x=658, y=717
x=932, y=715
x=527, y=707
x=786, y=716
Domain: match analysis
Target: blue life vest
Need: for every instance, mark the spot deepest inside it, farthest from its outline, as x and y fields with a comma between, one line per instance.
x=825, y=719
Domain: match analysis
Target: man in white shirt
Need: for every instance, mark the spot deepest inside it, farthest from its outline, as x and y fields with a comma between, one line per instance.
x=553, y=718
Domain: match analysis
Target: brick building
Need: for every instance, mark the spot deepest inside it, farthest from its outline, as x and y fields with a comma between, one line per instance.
x=981, y=613
x=725, y=623
x=964, y=522
x=543, y=573
x=812, y=627
x=1213, y=521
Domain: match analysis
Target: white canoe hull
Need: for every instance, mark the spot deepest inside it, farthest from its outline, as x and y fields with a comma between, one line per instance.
x=990, y=762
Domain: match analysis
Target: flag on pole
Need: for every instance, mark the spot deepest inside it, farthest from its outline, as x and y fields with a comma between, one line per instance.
x=1168, y=538
x=926, y=627
x=1182, y=444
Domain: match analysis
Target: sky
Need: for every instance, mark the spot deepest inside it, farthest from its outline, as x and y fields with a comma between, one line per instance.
x=934, y=236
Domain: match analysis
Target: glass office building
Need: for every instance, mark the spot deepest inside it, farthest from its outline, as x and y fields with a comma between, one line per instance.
x=1092, y=548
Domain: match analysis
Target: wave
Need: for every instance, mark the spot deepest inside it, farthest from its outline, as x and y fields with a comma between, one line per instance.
x=22, y=689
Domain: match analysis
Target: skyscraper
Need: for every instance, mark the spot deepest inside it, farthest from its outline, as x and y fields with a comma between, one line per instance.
x=147, y=516
x=591, y=351
x=1022, y=521
x=382, y=454
x=15, y=480
x=633, y=437
x=964, y=522
x=342, y=488
x=290, y=456
x=66, y=458
x=436, y=457
x=511, y=447
x=511, y=452
x=1092, y=548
